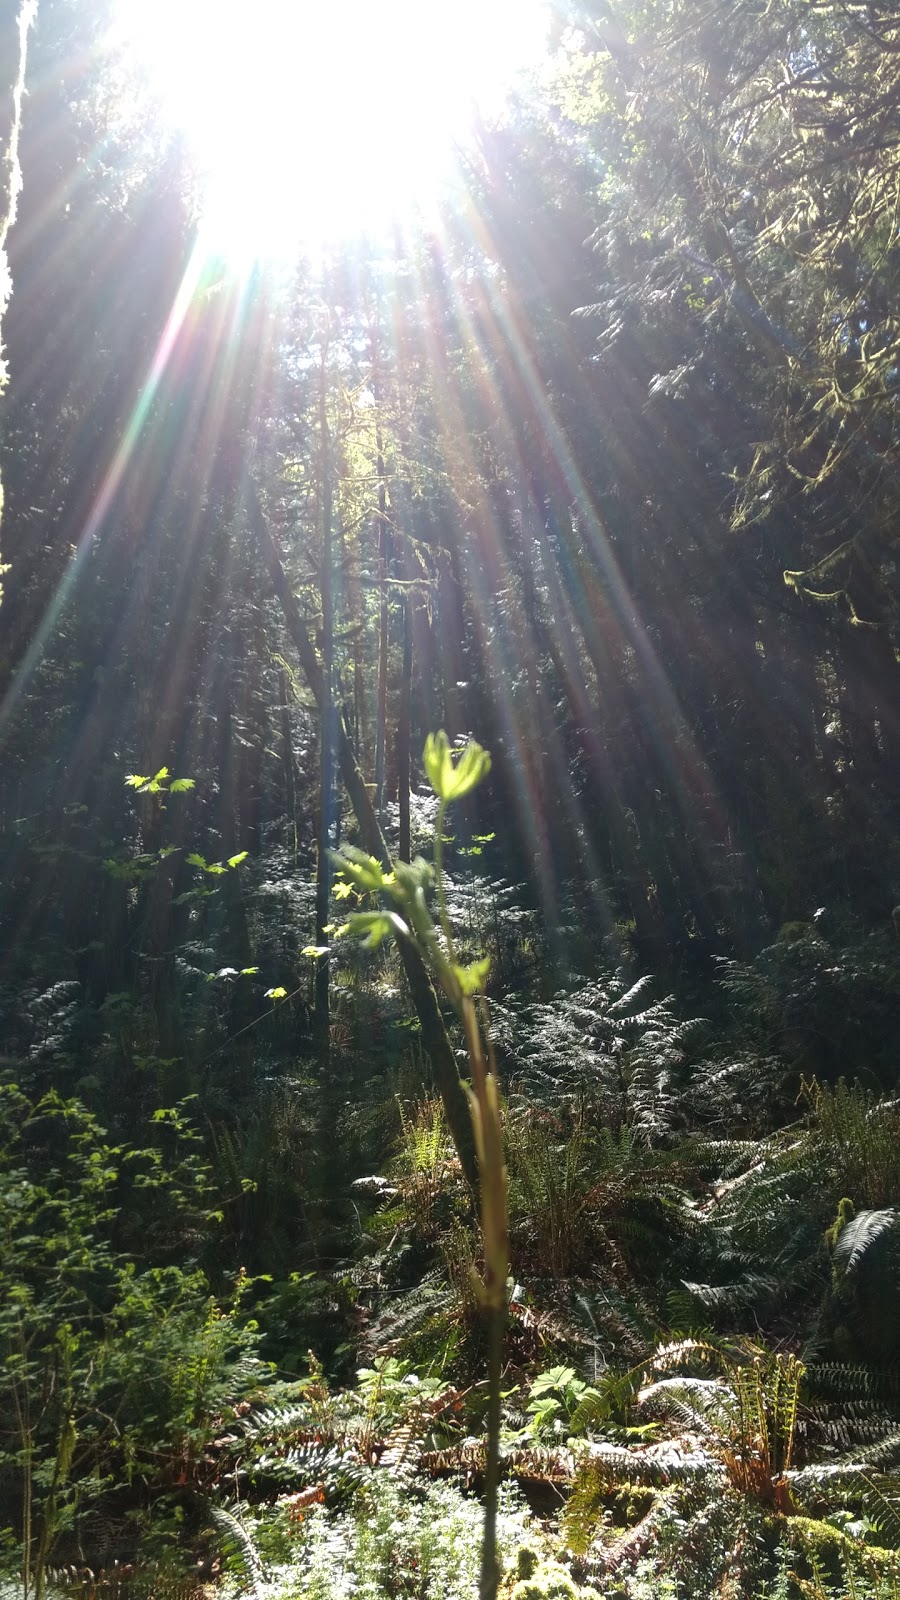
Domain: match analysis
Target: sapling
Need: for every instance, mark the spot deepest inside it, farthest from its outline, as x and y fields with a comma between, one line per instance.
x=405, y=914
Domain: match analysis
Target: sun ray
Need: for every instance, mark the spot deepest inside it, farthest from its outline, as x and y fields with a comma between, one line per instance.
x=311, y=124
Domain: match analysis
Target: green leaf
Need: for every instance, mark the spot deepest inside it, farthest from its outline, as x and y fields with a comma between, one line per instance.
x=276, y=994
x=179, y=785
x=216, y=869
x=552, y=1380
x=195, y=860
x=472, y=979
x=364, y=872
x=375, y=925
x=161, y=775
x=246, y=971
x=135, y=781
x=235, y=861
x=315, y=950
x=453, y=774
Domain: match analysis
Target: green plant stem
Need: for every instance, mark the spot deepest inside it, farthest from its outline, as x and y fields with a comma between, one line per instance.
x=490, y=1569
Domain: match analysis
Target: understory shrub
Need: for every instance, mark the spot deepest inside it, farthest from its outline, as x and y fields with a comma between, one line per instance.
x=423, y=1544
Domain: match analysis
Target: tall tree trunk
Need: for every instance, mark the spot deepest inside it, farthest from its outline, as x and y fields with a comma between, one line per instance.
x=325, y=837
x=384, y=616
x=404, y=730
x=434, y=1031
x=287, y=761
x=14, y=24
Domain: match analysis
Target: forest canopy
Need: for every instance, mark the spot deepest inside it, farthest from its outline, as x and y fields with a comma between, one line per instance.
x=449, y=798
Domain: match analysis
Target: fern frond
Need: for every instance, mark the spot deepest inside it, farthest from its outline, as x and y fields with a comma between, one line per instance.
x=637, y=1540
x=883, y=1510
x=858, y=1236
x=239, y=1549
x=268, y=1423
x=612, y=1394
x=654, y=1466
x=845, y=1380
x=699, y=1405
x=679, y=1352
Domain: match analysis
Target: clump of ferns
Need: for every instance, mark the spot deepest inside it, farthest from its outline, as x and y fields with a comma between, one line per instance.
x=585, y=1200
x=758, y=1238
x=605, y=1048
x=724, y=1479
x=300, y=1447
x=426, y=1173
x=860, y=1314
x=420, y=1322
x=411, y=1211
x=736, y=1093
x=856, y=1138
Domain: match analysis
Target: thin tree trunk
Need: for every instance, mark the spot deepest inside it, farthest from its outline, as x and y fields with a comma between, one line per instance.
x=404, y=730
x=14, y=24
x=434, y=1031
x=287, y=761
x=384, y=618
x=325, y=836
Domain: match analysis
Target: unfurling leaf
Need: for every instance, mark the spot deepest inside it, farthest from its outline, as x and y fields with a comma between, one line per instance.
x=453, y=774
x=376, y=925
x=472, y=979
x=364, y=872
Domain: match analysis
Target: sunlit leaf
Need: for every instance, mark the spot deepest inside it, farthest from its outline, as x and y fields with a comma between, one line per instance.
x=453, y=774
x=195, y=860
x=179, y=785
x=135, y=781
x=235, y=861
x=472, y=979
x=246, y=971
x=364, y=872
x=276, y=994
x=315, y=950
x=375, y=925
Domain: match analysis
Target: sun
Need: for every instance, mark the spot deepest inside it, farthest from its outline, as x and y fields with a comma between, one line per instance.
x=315, y=121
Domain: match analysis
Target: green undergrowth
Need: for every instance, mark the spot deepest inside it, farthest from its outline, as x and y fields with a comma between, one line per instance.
x=701, y=1366
x=422, y=1542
